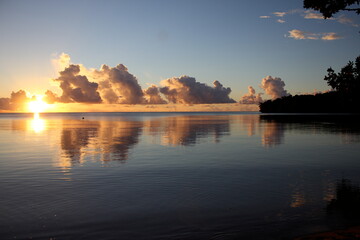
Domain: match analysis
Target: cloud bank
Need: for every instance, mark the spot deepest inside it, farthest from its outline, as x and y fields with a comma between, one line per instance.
x=120, y=90
x=187, y=90
x=116, y=85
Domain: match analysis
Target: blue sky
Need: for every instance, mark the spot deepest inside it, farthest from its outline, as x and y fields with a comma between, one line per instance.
x=209, y=40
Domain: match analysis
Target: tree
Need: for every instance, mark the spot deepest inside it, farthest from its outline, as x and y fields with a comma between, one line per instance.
x=330, y=7
x=345, y=98
x=347, y=80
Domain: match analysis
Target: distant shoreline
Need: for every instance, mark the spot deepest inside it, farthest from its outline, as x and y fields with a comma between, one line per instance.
x=331, y=102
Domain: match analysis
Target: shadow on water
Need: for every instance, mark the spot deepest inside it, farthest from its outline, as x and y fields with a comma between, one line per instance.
x=343, y=213
x=346, y=125
x=347, y=202
x=325, y=123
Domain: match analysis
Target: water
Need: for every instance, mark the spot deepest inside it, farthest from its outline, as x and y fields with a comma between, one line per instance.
x=174, y=175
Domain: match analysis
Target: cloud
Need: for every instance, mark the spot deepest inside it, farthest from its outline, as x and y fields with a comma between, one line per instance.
x=330, y=36
x=61, y=62
x=300, y=35
x=280, y=21
x=50, y=97
x=108, y=85
x=5, y=104
x=86, y=88
x=77, y=88
x=117, y=85
x=187, y=90
x=313, y=15
x=17, y=101
x=251, y=97
x=309, y=14
x=274, y=87
x=345, y=20
x=280, y=14
x=153, y=95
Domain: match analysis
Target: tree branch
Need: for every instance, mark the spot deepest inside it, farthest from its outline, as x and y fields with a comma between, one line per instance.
x=351, y=9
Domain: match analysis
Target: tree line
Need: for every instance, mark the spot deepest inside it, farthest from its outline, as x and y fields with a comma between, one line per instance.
x=344, y=97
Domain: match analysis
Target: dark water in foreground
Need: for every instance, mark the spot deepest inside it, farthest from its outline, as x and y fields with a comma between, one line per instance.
x=174, y=176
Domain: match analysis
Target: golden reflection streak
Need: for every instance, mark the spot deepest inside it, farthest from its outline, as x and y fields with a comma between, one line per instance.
x=37, y=124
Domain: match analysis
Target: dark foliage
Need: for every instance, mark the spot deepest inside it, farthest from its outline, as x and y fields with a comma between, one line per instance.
x=321, y=103
x=347, y=80
x=344, y=98
x=329, y=7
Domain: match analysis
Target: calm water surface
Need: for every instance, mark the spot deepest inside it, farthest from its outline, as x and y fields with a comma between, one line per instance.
x=174, y=175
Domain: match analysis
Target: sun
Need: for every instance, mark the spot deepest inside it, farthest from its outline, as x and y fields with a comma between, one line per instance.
x=38, y=105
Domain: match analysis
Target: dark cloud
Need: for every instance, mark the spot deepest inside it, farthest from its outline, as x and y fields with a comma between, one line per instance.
x=153, y=95
x=50, y=97
x=77, y=88
x=117, y=85
x=17, y=101
x=107, y=93
x=4, y=103
x=187, y=90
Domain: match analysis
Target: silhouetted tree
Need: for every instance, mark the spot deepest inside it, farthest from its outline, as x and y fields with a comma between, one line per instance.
x=330, y=7
x=347, y=81
x=344, y=98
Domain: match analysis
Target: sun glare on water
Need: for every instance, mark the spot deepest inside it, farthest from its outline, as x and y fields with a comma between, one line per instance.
x=37, y=106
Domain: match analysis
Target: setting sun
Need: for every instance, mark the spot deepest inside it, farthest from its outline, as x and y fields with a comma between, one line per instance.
x=38, y=105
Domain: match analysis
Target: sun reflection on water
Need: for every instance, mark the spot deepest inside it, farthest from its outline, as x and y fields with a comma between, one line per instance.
x=37, y=124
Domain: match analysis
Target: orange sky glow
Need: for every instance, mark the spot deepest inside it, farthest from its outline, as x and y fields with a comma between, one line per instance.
x=84, y=107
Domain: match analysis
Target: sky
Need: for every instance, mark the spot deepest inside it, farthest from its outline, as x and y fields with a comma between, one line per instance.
x=238, y=43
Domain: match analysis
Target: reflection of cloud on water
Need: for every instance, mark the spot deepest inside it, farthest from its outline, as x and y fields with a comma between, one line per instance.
x=347, y=138
x=249, y=123
x=117, y=138
x=304, y=192
x=75, y=136
x=273, y=134
x=298, y=198
x=106, y=140
x=189, y=130
x=344, y=125
x=98, y=140
x=112, y=139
